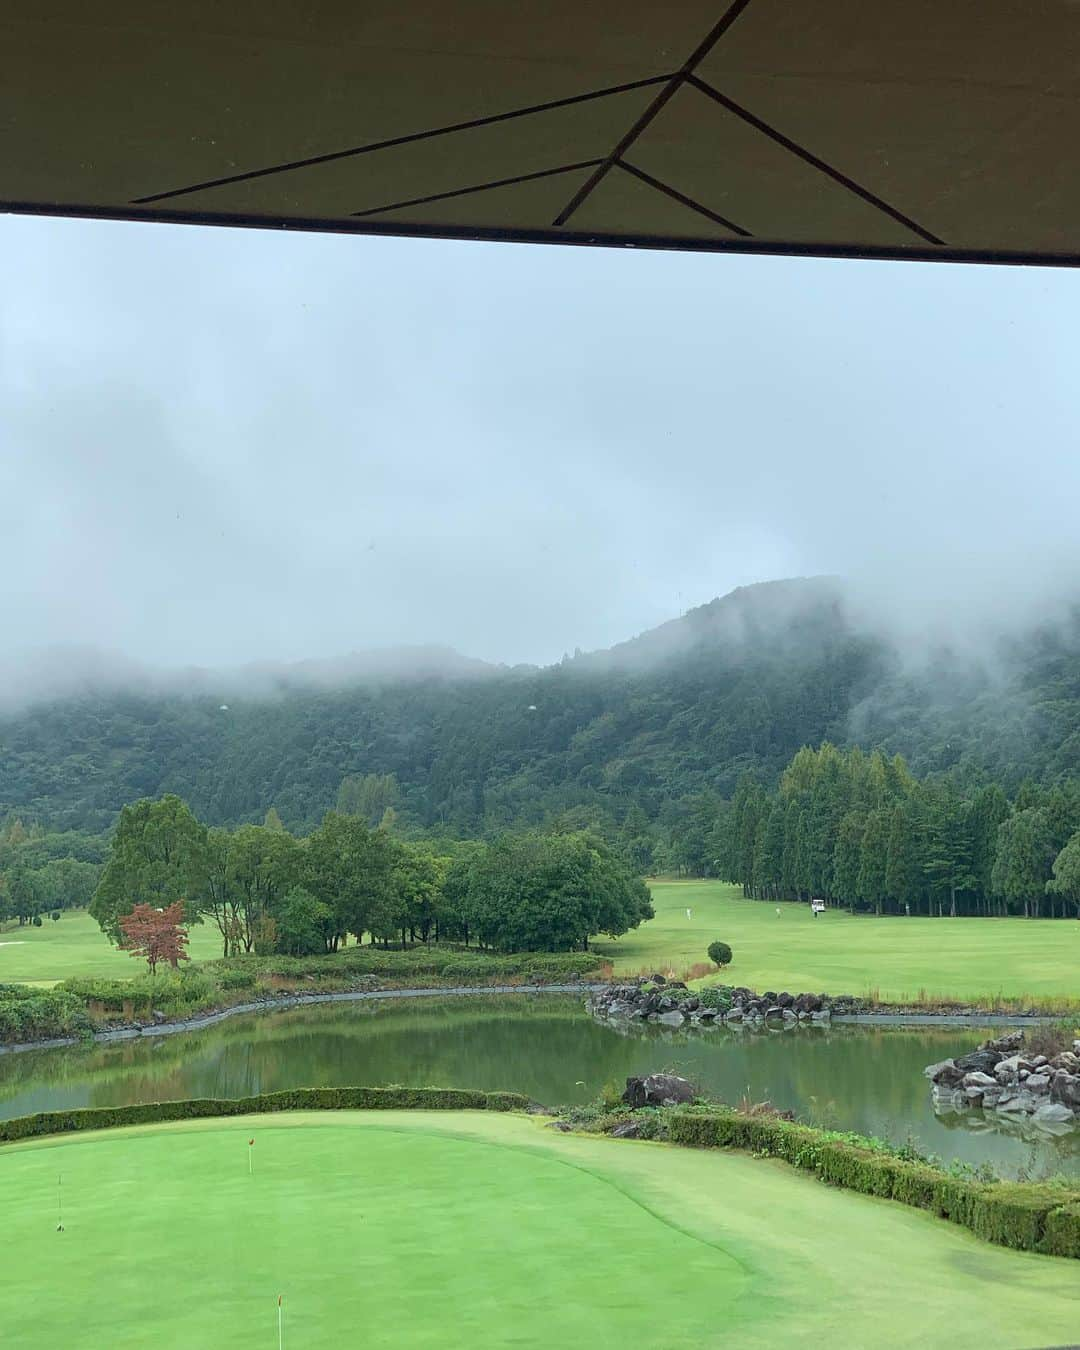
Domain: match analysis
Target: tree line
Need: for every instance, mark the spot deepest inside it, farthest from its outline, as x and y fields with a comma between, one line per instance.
x=861, y=830
x=44, y=872
x=267, y=890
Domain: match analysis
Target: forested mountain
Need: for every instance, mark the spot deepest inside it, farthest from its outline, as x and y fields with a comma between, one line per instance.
x=646, y=728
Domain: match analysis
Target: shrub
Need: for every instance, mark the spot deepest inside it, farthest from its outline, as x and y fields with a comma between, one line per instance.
x=1049, y=1040
x=1014, y=1214
x=719, y=953
x=38, y=1014
x=237, y=979
x=1061, y=1231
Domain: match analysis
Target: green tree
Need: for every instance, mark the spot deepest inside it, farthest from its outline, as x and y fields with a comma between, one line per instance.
x=369, y=796
x=350, y=867
x=68, y=883
x=947, y=846
x=873, y=859
x=263, y=865
x=1024, y=861
x=989, y=808
x=154, y=854
x=635, y=839
x=903, y=865
x=769, y=851
x=847, y=857
x=418, y=879
x=551, y=893
x=1065, y=882
x=305, y=926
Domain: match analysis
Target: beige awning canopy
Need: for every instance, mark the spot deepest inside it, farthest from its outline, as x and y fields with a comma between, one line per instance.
x=940, y=128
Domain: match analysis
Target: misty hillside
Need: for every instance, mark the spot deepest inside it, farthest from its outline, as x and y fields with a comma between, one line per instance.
x=683, y=709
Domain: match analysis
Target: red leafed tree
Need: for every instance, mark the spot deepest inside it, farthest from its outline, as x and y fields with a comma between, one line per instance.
x=156, y=934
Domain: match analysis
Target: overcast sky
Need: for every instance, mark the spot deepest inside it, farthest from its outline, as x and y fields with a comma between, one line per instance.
x=217, y=446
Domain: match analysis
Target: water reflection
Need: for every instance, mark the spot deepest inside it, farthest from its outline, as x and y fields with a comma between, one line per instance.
x=866, y=1079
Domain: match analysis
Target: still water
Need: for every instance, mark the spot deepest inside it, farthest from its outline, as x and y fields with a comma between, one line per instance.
x=546, y=1046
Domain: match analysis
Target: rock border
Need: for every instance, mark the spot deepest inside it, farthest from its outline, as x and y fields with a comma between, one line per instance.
x=999, y=1077
x=671, y=1003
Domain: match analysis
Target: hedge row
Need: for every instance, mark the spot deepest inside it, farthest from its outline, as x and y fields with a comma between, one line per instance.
x=1025, y=1216
x=300, y=1099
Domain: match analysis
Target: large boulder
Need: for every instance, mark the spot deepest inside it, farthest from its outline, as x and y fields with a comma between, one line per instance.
x=657, y=1089
x=1018, y=1102
x=980, y=1061
x=1008, y=1070
x=1066, y=1089
x=1053, y=1113
x=945, y=1073
x=980, y=1080
x=1037, y=1082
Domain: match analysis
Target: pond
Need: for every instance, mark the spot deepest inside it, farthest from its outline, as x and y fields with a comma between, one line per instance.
x=868, y=1079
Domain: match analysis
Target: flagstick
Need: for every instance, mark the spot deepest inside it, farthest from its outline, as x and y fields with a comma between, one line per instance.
x=280, y=1325
x=59, y=1206
x=250, y=1169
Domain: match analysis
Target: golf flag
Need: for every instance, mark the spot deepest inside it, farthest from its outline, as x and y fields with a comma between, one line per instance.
x=251, y=1145
x=280, y=1325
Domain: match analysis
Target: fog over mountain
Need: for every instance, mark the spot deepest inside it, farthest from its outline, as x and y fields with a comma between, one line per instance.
x=222, y=448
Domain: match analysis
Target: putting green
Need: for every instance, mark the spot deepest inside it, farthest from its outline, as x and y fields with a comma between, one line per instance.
x=838, y=953
x=413, y=1229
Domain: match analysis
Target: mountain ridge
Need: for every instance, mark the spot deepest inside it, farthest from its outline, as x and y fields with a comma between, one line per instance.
x=678, y=711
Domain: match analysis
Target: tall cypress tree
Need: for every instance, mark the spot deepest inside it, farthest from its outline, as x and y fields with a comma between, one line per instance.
x=846, y=858
x=988, y=809
x=873, y=850
x=903, y=871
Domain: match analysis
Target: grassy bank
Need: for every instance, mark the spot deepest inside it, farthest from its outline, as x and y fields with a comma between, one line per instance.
x=897, y=959
x=77, y=1007
x=570, y=1240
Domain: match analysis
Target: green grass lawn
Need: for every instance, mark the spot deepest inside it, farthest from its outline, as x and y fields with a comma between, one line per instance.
x=836, y=953
x=962, y=958
x=75, y=946
x=408, y=1229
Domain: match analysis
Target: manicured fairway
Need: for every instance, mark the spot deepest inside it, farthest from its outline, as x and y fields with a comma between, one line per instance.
x=443, y=1229
x=837, y=953
x=75, y=946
